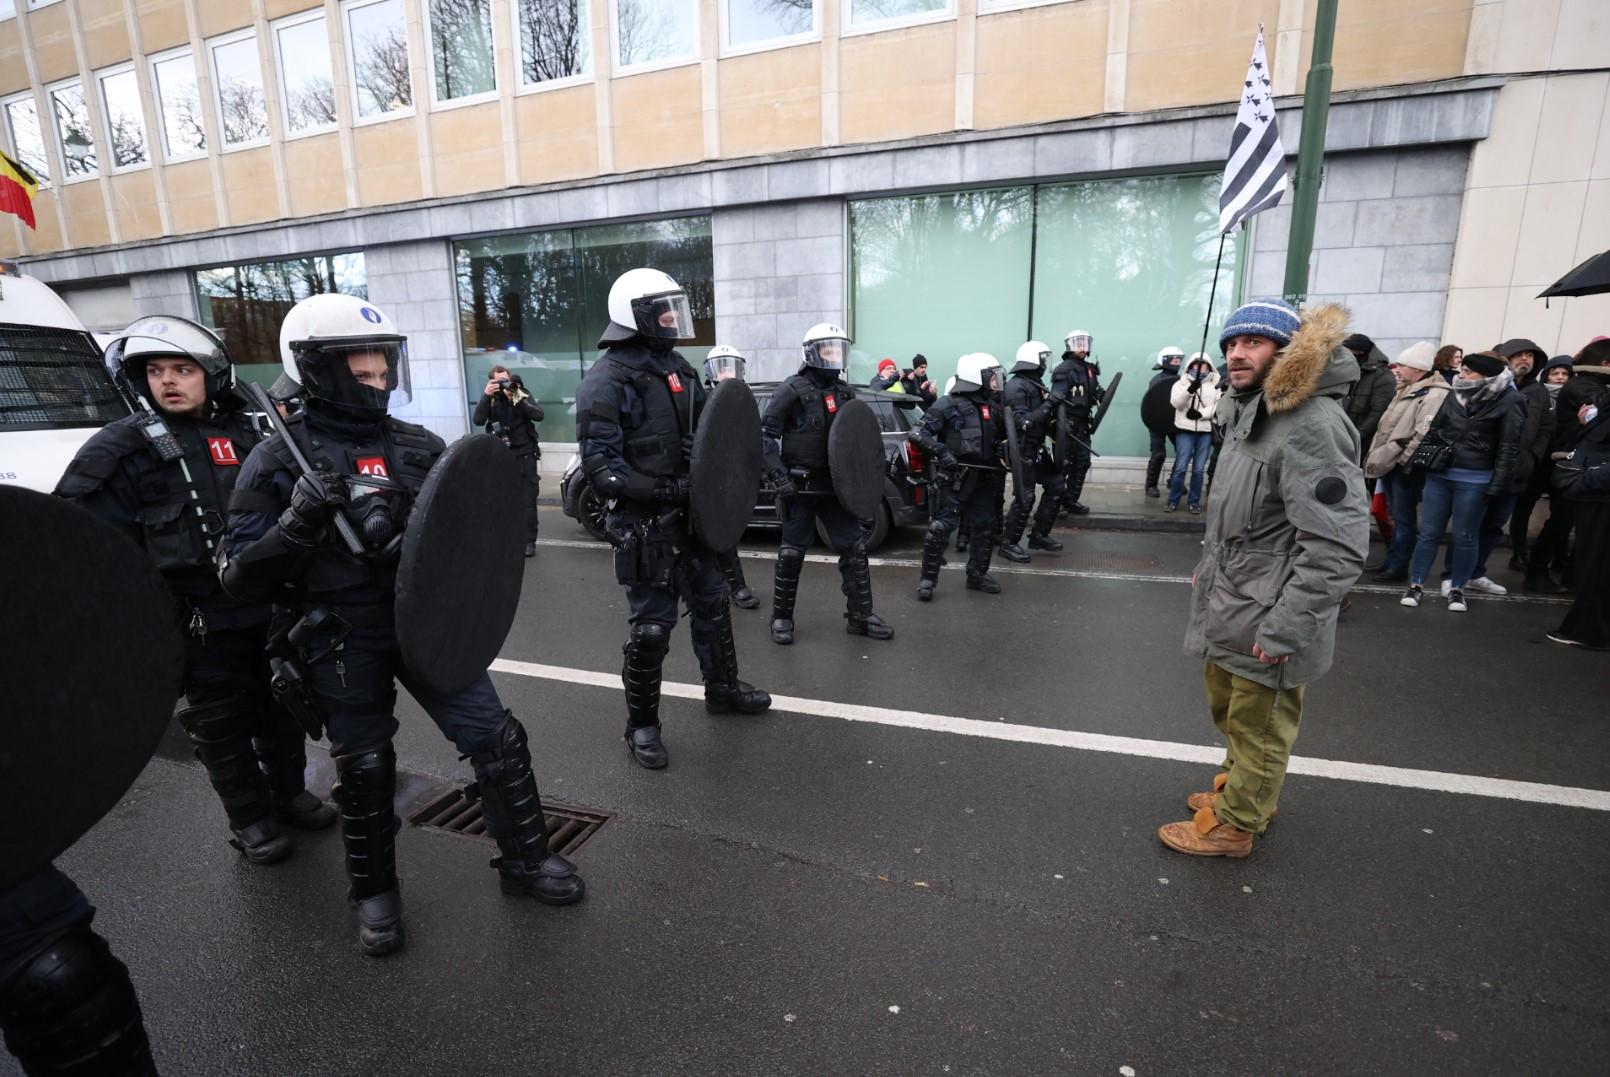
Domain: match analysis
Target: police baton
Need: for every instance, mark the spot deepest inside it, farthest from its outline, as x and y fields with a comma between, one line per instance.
x=1058, y=399
x=343, y=526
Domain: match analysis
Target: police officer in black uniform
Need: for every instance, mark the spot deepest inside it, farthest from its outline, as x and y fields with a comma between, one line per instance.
x=510, y=413
x=1030, y=409
x=636, y=410
x=281, y=543
x=1077, y=378
x=722, y=363
x=964, y=435
x=164, y=476
x=794, y=436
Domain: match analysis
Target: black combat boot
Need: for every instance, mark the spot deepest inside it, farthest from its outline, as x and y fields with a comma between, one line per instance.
x=1016, y=521
x=784, y=587
x=1154, y=472
x=933, y=557
x=512, y=808
x=857, y=587
x=70, y=1010
x=1044, y=542
x=222, y=735
x=737, y=586
x=978, y=577
x=645, y=654
x=282, y=753
x=724, y=693
x=365, y=789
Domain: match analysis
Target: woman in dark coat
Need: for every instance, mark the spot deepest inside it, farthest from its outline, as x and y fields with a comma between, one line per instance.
x=1584, y=478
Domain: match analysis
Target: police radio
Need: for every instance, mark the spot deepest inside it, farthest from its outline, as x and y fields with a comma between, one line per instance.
x=161, y=438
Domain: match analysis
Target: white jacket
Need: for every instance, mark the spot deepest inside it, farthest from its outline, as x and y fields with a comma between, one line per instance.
x=1203, y=401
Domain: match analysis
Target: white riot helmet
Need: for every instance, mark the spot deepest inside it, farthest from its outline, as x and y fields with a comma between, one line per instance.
x=335, y=346
x=724, y=362
x=1032, y=355
x=1078, y=341
x=649, y=304
x=163, y=337
x=950, y=385
x=1173, y=355
x=826, y=347
x=977, y=371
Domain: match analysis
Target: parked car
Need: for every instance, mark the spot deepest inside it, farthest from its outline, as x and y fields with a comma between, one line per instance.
x=905, y=485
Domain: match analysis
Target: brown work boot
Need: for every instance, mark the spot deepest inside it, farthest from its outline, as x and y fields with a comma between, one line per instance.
x=1204, y=835
x=1197, y=801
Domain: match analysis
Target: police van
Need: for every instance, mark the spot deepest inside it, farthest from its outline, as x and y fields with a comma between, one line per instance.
x=54, y=387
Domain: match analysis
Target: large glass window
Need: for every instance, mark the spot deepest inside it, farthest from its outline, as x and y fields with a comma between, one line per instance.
x=1130, y=261
x=238, y=82
x=184, y=135
x=125, y=118
x=247, y=303
x=555, y=40
x=655, y=31
x=461, y=49
x=537, y=303
x=867, y=12
x=755, y=22
x=306, y=81
x=8, y=9
x=27, y=139
x=71, y=112
x=377, y=47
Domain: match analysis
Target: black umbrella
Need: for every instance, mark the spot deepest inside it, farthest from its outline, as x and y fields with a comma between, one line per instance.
x=1589, y=278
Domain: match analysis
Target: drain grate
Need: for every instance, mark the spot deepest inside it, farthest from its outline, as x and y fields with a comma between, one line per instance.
x=569, y=828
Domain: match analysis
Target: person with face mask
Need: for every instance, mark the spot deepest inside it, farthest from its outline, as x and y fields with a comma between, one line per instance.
x=1583, y=478
x=1194, y=396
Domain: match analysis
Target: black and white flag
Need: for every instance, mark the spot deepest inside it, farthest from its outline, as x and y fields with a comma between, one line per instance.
x=1255, y=177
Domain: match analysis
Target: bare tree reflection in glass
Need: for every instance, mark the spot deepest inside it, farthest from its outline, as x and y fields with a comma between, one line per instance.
x=650, y=30
x=380, y=58
x=461, y=48
x=553, y=39
x=72, y=123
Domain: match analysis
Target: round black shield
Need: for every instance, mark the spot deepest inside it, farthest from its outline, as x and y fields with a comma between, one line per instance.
x=855, y=458
x=1106, y=401
x=90, y=668
x=725, y=472
x=458, y=582
x=1156, y=411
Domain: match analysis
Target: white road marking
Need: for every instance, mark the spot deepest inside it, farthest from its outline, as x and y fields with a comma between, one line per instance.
x=1373, y=773
x=955, y=565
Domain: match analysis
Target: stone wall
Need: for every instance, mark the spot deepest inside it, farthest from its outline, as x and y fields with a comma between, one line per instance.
x=413, y=283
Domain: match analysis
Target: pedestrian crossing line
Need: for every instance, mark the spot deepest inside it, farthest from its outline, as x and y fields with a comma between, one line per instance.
x=1066, y=573
x=1372, y=773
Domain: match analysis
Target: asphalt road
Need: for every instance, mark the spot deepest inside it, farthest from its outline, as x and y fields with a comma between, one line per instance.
x=871, y=889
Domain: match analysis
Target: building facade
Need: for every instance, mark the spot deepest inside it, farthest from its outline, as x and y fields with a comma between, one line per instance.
x=942, y=176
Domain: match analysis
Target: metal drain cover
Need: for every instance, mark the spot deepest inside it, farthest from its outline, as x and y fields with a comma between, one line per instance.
x=569, y=828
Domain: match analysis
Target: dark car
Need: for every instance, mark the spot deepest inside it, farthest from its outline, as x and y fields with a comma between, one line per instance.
x=905, y=487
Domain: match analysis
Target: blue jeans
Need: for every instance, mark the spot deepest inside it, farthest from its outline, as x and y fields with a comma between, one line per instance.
x=1493, y=522
x=1189, y=449
x=1466, y=503
x=1403, y=499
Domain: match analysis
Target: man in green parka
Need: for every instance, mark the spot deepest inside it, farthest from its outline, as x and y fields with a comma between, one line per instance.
x=1287, y=533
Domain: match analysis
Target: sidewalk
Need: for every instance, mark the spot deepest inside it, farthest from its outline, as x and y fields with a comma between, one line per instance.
x=1122, y=507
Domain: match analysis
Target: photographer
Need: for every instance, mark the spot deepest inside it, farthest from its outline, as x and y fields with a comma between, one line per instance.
x=1195, y=395
x=916, y=384
x=508, y=411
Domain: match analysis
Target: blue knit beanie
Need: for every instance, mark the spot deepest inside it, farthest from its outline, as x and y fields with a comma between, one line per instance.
x=1272, y=318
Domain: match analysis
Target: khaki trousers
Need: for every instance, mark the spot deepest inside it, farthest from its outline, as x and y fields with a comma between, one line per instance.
x=1259, y=725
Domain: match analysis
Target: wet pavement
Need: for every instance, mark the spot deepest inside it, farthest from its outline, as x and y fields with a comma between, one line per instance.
x=860, y=884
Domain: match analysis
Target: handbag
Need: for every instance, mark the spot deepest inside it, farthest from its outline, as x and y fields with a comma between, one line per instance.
x=1434, y=453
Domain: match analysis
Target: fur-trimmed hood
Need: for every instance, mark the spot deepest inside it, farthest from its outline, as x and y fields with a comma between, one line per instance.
x=1314, y=363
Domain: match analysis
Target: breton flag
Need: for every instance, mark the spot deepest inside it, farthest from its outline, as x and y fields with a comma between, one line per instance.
x=1255, y=177
x=17, y=187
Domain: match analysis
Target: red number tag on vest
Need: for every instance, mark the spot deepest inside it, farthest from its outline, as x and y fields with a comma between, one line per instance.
x=984, y=411
x=674, y=382
x=223, y=452
x=832, y=403
x=374, y=466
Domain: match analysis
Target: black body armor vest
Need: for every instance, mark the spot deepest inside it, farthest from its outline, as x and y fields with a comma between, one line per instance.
x=810, y=419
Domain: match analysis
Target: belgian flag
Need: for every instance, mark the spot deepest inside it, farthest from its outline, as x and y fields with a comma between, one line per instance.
x=17, y=187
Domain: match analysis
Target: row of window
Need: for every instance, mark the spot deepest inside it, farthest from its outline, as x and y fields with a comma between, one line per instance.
x=554, y=49
x=8, y=8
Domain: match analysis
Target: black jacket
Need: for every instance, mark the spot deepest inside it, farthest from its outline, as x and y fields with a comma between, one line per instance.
x=514, y=422
x=1370, y=395
x=1585, y=476
x=1486, y=434
x=1080, y=382
x=1535, y=434
x=1580, y=390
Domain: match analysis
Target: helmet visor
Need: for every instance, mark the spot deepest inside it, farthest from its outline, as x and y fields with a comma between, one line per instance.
x=365, y=377
x=1079, y=342
x=667, y=316
x=831, y=353
x=722, y=367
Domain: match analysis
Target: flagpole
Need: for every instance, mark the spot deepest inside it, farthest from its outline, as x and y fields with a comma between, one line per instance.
x=1213, y=291
x=1310, y=155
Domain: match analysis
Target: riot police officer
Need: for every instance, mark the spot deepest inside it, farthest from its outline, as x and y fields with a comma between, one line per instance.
x=164, y=476
x=636, y=410
x=963, y=434
x=722, y=363
x=369, y=467
x=1077, y=379
x=794, y=437
x=511, y=414
x=1031, y=410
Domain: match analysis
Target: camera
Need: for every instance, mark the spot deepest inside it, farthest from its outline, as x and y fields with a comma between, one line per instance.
x=504, y=383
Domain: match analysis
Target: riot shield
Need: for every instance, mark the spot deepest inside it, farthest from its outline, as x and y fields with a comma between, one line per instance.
x=1156, y=411
x=89, y=685
x=1106, y=402
x=855, y=458
x=725, y=471
x=1021, y=466
x=462, y=564
x=1062, y=442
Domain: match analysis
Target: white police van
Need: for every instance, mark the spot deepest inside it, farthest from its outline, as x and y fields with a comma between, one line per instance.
x=54, y=387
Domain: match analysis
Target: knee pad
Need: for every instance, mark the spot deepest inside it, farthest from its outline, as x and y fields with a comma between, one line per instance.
x=72, y=1001
x=222, y=719
x=938, y=530
x=651, y=638
x=791, y=556
x=371, y=772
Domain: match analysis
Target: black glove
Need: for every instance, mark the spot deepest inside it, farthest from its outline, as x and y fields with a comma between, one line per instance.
x=1042, y=414
x=946, y=463
x=311, y=501
x=783, y=484
x=672, y=491
x=687, y=446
